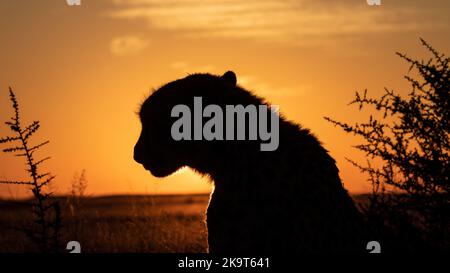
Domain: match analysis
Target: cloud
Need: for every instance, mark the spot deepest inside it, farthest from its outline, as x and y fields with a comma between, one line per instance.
x=185, y=67
x=293, y=21
x=127, y=45
x=179, y=65
x=269, y=91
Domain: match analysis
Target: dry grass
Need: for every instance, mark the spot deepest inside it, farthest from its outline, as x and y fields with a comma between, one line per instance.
x=118, y=224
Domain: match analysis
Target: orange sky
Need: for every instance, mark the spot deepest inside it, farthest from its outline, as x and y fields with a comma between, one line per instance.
x=82, y=71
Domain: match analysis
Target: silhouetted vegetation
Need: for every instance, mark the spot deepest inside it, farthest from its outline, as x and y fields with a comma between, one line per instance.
x=77, y=192
x=408, y=147
x=45, y=229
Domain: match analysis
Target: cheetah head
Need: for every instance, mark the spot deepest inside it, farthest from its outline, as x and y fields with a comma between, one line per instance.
x=155, y=149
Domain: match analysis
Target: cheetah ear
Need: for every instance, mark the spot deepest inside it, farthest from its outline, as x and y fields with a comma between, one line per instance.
x=229, y=77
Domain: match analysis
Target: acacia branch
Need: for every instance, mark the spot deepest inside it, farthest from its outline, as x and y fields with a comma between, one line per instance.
x=16, y=182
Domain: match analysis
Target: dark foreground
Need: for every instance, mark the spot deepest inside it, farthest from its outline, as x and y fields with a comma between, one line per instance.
x=155, y=224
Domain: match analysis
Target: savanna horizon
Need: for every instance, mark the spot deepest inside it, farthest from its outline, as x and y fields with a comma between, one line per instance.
x=90, y=66
x=224, y=127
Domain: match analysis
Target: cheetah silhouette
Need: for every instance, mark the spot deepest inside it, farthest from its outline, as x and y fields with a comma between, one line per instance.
x=290, y=200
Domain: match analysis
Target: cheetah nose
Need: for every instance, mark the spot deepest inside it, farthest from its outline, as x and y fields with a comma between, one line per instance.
x=137, y=156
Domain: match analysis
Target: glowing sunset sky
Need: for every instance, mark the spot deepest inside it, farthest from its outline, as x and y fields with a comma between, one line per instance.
x=83, y=71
